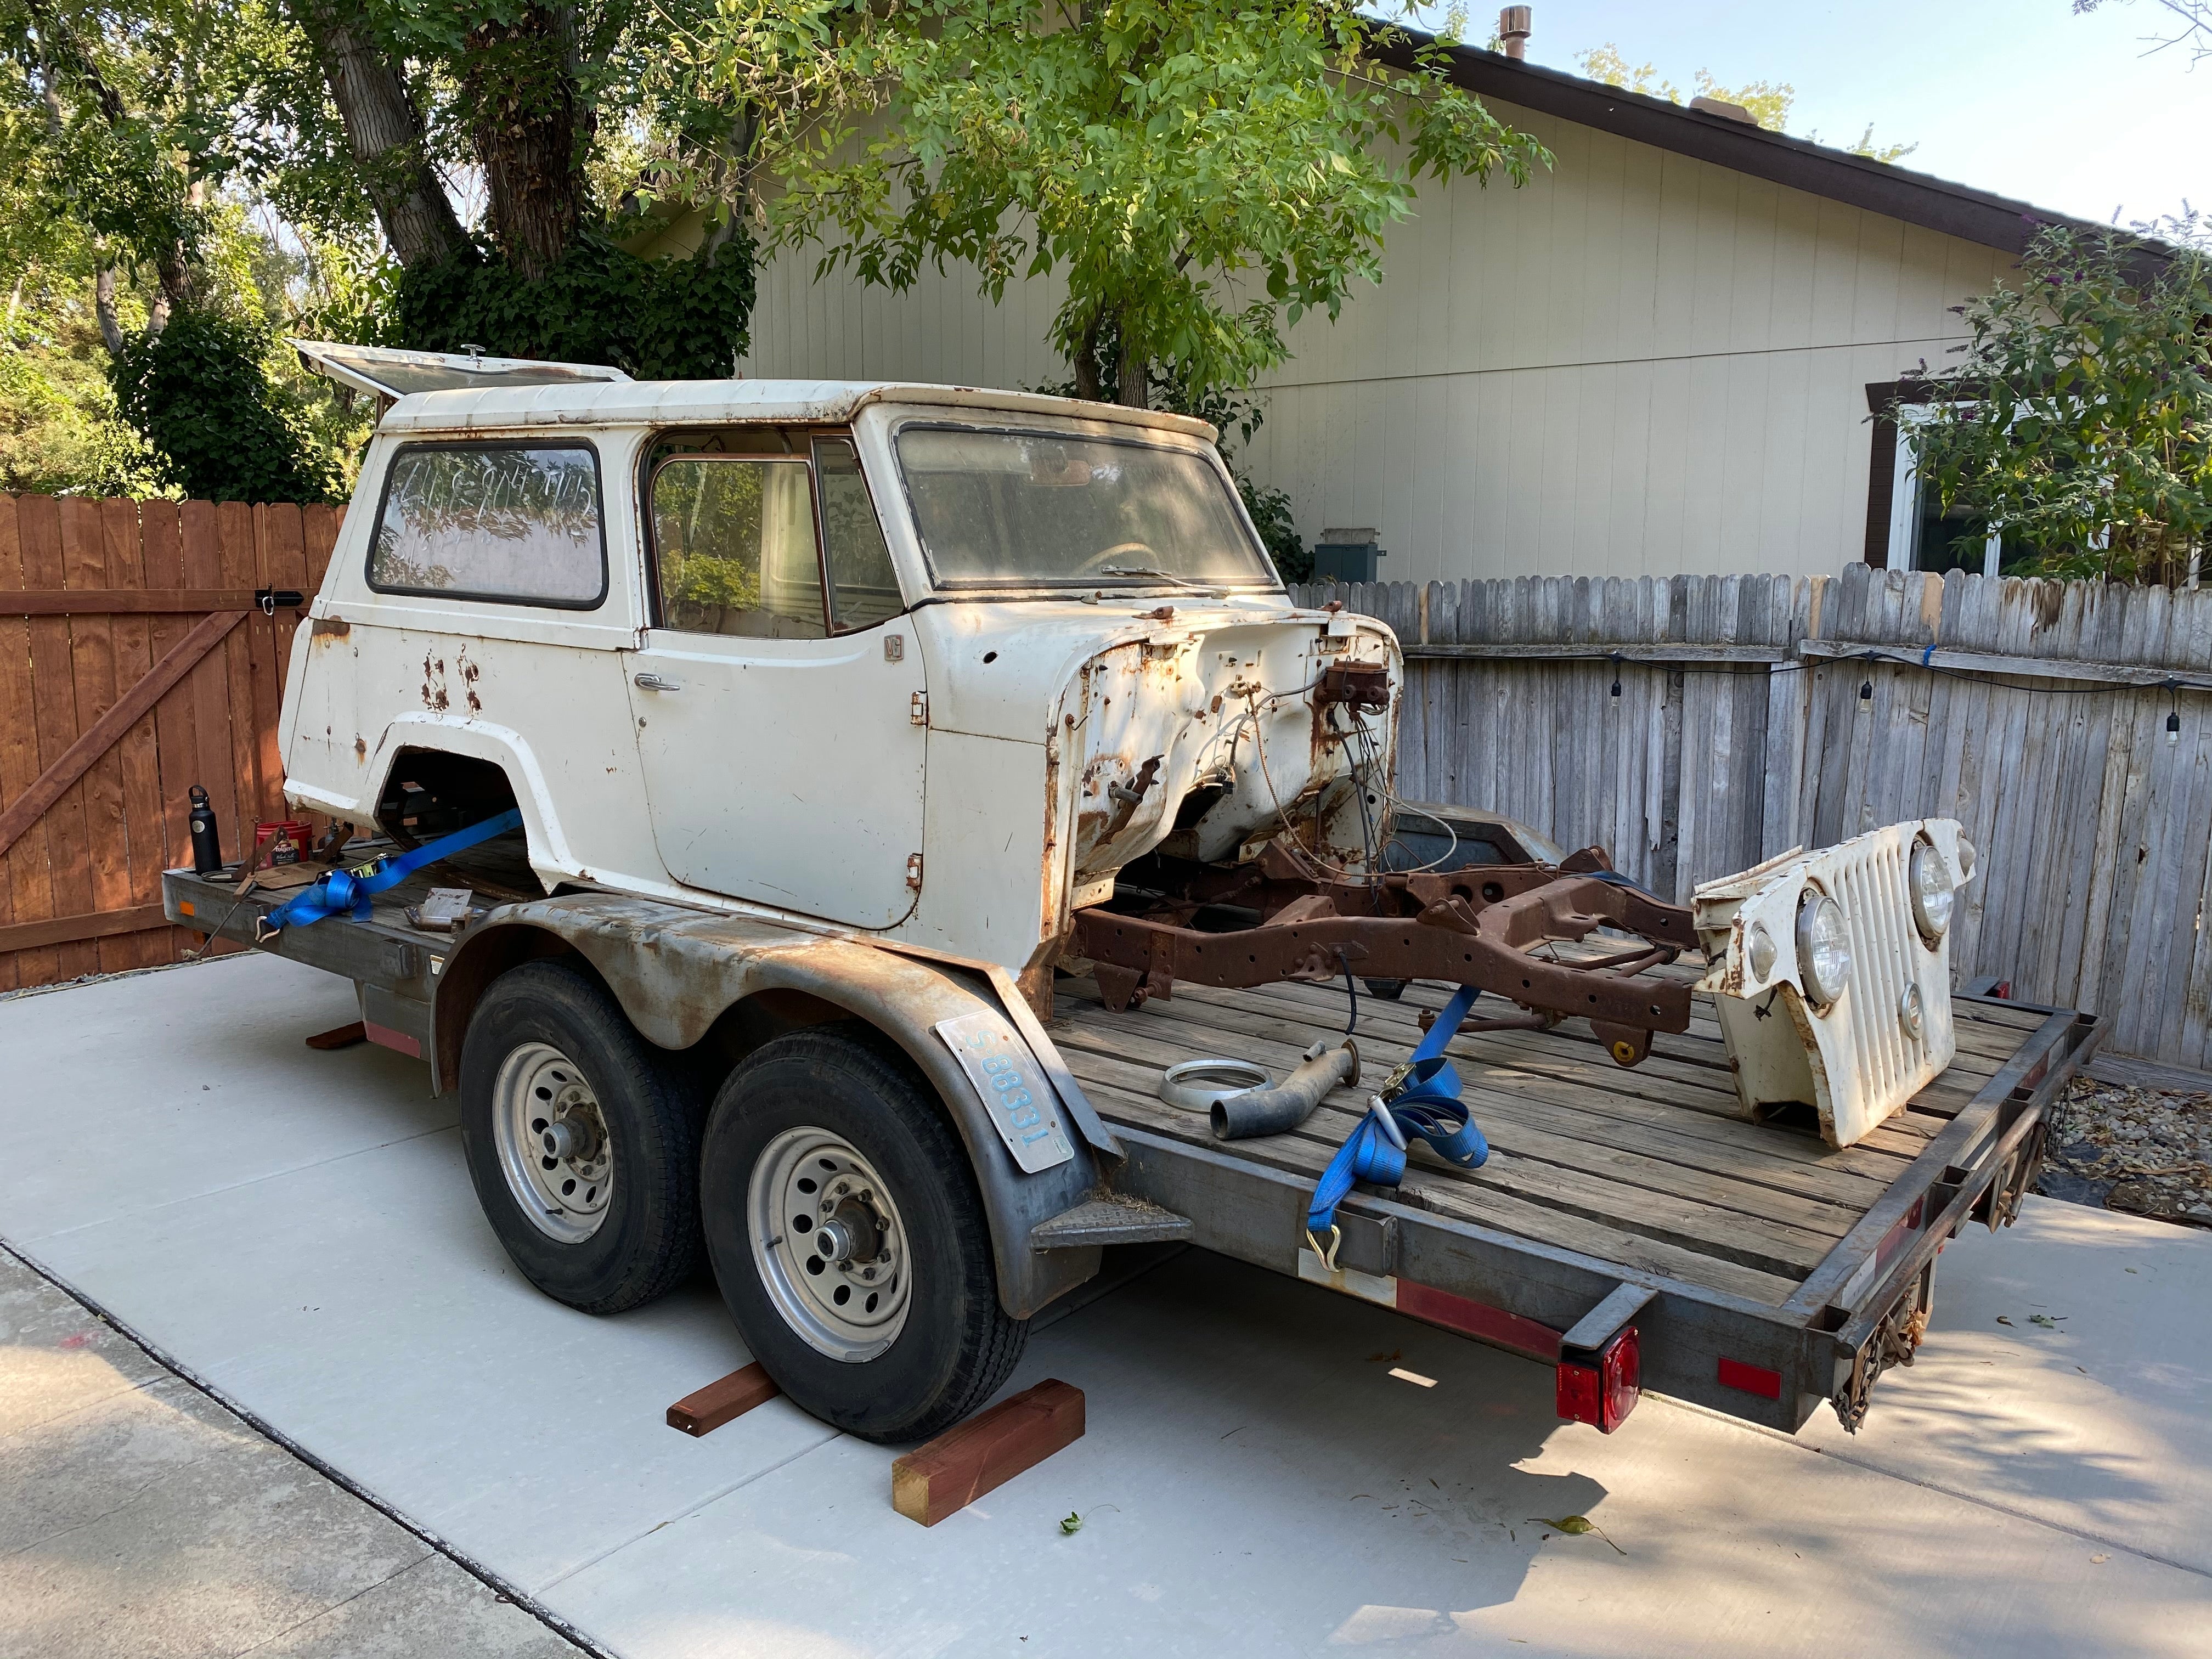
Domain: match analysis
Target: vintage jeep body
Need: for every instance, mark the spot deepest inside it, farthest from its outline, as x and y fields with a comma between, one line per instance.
x=839, y=718
x=958, y=753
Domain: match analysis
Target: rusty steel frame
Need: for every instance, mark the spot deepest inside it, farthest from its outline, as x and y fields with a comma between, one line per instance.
x=1480, y=926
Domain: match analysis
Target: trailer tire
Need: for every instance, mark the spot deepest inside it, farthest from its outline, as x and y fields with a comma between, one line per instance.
x=545, y=1040
x=919, y=1343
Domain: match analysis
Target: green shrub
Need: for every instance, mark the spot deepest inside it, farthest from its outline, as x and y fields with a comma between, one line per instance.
x=220, y=429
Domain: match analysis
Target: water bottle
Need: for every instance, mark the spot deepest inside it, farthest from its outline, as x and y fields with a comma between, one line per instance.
x=207, y=844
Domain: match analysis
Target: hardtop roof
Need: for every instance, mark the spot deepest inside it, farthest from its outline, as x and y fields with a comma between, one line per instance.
x=653, y=403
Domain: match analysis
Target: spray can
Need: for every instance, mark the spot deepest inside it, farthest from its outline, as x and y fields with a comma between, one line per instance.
x=207, y=843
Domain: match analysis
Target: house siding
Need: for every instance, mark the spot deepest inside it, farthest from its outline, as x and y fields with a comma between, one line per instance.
x=1640, y=364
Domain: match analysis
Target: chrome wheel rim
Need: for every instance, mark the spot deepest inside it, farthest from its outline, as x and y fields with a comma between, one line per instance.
x=829, y=1244
x=553, y=1143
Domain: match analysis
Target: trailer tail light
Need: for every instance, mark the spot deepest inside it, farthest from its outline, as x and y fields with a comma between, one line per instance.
x=1602, y=1390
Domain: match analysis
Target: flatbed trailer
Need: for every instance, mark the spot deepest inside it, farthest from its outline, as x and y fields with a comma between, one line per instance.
x=1761, y=1271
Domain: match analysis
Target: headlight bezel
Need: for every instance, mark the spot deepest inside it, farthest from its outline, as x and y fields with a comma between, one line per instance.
x=1932, y=927
x=1813, y=904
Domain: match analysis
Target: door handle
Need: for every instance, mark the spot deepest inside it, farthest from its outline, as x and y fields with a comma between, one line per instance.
x=655, y=682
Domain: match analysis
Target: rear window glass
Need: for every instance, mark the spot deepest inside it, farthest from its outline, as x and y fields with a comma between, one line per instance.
x=514, y=522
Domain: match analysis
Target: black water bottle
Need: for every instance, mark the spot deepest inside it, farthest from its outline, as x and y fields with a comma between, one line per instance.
x=207, y=844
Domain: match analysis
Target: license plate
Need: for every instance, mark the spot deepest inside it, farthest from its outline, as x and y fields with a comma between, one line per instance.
x=1023, y=1106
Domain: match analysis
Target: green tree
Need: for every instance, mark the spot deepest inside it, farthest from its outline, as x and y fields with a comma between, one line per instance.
x=2079, y=419
x=1199, y=174
x=1768, y=102
x=199, y=392
x=565, y=117
x=120, y=129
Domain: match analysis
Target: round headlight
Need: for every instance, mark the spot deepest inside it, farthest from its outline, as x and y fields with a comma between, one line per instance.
x=1932, y=893
x=1824, y=948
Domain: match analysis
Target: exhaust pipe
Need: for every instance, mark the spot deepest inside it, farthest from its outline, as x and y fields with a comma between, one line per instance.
x=1280, y=1109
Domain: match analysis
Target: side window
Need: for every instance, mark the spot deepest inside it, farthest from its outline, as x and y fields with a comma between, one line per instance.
x=733, y=547
x=516, y=522
x=863, y=589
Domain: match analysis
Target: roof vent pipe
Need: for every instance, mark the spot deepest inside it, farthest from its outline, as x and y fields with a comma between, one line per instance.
x=1513, y=31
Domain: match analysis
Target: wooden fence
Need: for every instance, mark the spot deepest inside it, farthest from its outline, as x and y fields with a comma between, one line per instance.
x=1691, y=725
x=1694, y=725
x=136, y=659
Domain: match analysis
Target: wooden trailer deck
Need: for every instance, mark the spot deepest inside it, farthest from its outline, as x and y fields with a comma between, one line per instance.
x=1647, y=1167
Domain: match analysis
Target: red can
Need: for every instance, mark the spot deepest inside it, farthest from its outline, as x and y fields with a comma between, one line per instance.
x=282, y=841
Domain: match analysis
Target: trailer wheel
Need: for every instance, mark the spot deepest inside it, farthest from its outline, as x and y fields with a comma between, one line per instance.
x=849, y=1240
x=581, y=1142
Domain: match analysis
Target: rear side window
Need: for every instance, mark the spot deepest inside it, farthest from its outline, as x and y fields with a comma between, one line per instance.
x=516, y=522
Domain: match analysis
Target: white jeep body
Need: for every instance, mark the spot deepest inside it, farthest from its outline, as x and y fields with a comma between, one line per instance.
x=958, y=776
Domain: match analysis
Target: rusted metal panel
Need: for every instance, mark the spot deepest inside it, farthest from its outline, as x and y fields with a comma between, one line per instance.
x=1481, y=927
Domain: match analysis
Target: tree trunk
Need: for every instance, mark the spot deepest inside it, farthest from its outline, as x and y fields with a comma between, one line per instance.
x=383, y=133
x=1136, y=375
x=531, y=126
x=103, y=308
x=1087, y=359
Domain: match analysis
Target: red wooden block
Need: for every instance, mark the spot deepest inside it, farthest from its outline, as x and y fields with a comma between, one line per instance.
x=719, y=1403
x=341, y=1037
x=962, y=1464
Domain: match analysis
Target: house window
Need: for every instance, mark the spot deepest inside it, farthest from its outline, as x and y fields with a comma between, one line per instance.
x=1908, y=527
x=1923, y=535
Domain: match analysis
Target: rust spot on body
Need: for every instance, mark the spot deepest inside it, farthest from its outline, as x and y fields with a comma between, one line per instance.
x=328, y=628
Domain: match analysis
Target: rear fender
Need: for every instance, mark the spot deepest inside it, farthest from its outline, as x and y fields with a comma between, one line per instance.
x=676, y=971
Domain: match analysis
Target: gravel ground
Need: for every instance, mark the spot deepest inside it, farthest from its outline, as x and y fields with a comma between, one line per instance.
x=2148, y=1152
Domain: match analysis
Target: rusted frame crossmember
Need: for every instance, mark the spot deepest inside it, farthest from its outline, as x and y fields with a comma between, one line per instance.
x=1513, y=1292
x=1953, y=1180
x=1452, y=938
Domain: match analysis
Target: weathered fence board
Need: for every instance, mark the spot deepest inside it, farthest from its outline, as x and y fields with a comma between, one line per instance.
x=80, y=887
x=1744, y=723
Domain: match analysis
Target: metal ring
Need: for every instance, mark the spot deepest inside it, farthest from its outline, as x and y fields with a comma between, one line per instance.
x=1196, y=1085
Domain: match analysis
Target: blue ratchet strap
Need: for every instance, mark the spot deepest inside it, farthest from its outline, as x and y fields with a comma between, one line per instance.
x=346, y=892
x=1426, y=1107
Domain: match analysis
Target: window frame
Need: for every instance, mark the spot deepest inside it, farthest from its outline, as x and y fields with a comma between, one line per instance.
x=1270, y=582
x=1905, y=503
x=650, y=528
x=814, y=441
x=530, y=602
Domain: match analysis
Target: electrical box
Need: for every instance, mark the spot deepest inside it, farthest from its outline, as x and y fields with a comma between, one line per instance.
x=1346, y=555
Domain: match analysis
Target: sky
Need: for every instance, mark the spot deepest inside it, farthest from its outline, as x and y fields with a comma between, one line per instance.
x=2020, y=97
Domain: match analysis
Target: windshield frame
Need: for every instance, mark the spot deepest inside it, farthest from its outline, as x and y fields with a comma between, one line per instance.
x=1205, y=454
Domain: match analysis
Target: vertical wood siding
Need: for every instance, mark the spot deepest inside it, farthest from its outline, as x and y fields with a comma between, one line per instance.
x=2094, y=829
x=1641, y=364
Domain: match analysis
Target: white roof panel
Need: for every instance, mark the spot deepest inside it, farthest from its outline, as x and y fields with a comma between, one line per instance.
x=653, y=403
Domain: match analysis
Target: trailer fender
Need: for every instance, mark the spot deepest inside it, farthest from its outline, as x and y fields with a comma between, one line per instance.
x=675, y=971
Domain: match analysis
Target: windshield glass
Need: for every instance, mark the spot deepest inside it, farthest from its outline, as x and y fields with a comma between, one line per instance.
x=1040, y=508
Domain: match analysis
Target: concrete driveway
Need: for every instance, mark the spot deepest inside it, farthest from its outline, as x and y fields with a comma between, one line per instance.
x=297, y=1228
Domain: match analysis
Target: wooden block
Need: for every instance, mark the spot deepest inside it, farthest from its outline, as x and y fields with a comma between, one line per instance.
x=719, y=1403
x=341, y=1037
x=962, y=1464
